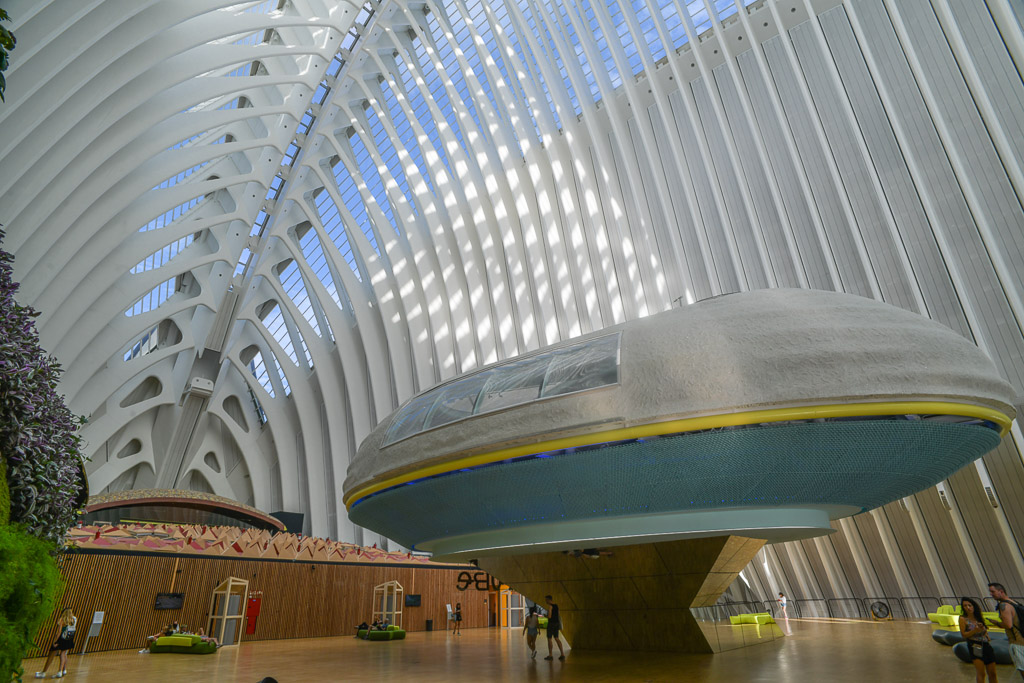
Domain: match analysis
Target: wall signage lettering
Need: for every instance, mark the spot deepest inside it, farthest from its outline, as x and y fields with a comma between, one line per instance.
x=480, y=580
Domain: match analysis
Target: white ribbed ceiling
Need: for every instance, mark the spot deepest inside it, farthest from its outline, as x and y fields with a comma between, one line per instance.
x=254, y=229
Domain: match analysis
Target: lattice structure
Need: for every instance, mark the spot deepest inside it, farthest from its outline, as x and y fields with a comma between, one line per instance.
x=229, y=542
x=492, y=177
x=387, y=603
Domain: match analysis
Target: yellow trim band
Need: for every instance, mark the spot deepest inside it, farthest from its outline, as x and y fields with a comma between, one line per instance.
x=693, y=424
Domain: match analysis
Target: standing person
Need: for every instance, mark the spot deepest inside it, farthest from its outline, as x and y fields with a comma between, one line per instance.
x=554, y=625
x=1010, y=621
x=974, y=631
x=530, y=629
x=457, y=628
x=65, y=642
x=782, y=604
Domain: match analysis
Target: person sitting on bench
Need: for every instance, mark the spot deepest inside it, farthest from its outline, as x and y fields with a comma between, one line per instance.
x=165, y=631
x=376, y=626
x=205, y=638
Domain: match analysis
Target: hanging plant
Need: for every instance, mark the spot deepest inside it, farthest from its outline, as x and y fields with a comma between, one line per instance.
x=7, y=43
x=38, y=434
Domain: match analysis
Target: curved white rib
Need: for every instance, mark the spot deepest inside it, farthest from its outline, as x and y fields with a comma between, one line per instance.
x=483, y=179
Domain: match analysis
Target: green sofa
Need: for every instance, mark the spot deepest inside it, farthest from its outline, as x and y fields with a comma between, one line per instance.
x=948, y=616
x=392, y=633
x=183, y=645
x=759, y=618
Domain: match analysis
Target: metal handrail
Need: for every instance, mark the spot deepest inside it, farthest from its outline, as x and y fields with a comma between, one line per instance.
x=924, y=609
x=995, y=602
x=845, y=602
x=800, y=604
x=723, y=610
x=743, y=607
x=900, y=607
x=891, y=602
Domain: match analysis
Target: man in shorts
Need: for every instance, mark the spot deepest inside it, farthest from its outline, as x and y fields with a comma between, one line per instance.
x=554, y=624
x=1008, y=620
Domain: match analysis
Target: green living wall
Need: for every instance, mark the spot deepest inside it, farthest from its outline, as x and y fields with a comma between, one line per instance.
x=42, y=481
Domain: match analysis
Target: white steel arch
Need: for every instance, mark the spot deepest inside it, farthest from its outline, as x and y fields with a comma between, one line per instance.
x=383, y=196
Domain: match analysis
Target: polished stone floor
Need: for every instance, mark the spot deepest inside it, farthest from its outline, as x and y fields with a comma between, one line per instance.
x=815, y=650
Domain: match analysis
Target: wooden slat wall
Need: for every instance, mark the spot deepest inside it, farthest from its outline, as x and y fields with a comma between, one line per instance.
x=300, y=599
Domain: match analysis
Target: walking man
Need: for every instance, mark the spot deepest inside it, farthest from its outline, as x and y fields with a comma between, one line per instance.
x=1010, y=621
x=554, y=624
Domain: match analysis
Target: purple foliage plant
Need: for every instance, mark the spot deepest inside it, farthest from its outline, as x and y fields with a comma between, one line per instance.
x=38, y=434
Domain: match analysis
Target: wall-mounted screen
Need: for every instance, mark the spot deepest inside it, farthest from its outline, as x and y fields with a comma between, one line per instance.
x=169, y=600
x=412, y=600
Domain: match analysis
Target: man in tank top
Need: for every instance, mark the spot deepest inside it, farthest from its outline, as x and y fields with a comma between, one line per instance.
x=1009, y=621
x=554, y=625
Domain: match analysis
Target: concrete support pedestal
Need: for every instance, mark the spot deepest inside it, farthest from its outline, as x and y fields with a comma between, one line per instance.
x=634, y=597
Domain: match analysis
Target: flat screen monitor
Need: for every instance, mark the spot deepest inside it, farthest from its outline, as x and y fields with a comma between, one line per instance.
x=169, y=600
x=412, y=600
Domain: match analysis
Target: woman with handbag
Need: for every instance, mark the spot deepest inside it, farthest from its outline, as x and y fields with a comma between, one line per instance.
x=974, y=631
x=65, y=642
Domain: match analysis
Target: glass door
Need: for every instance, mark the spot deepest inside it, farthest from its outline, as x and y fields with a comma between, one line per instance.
x=513, y=609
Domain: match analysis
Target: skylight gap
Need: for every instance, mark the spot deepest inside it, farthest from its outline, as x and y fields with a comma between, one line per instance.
x=313, y=252
x=168, y=217
x=295, y=287
x=353, y=199
x=274, y=322
x=162, y=255
x=259, y=370
x=153, y=298
x=331, y=220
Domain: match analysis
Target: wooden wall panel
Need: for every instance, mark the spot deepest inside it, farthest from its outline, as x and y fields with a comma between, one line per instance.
x=300, y=599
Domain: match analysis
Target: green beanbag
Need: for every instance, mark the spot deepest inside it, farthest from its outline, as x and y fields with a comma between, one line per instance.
x=183, y=645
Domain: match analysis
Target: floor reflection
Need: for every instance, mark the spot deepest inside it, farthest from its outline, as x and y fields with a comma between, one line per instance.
x=834, y=650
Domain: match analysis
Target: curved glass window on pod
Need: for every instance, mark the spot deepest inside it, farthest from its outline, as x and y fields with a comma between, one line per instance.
x=587, y=365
